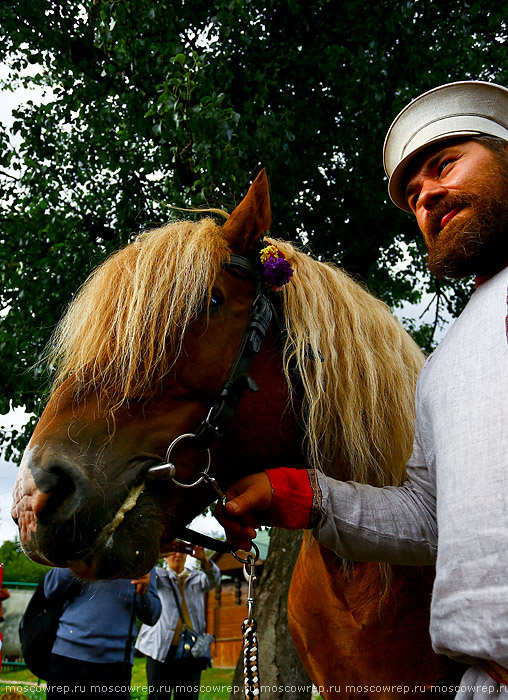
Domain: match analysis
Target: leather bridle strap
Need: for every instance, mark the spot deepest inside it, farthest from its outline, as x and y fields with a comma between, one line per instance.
x=238, y=380
x=213, y=426
x=222, y=411
x=197, y=538
x=205, y=541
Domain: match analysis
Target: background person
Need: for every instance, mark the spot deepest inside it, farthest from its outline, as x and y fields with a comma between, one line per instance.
x=446, y=157
x=159, y=643
x=94, y=627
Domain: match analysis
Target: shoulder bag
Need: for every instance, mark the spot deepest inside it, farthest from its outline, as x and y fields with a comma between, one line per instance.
x=191, y=644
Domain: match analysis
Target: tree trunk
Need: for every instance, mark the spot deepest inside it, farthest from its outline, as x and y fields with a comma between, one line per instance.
x=281, y=674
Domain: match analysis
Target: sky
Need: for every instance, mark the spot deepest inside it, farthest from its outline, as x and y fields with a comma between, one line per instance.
x=8, y=471
x=9, y=100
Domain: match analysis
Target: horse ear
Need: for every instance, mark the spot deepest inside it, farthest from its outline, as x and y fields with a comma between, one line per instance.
x=252, y=217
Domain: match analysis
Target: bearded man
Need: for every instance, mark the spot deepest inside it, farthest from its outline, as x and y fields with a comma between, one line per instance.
x=446, y=158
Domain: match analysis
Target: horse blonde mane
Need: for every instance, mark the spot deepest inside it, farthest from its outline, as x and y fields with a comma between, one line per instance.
x=124, y=330
x=358, y=401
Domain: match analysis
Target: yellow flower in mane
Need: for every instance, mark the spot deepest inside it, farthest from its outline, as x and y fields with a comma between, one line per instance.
x=271, y=251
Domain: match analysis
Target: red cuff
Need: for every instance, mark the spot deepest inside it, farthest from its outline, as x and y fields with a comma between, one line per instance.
x=292, y=498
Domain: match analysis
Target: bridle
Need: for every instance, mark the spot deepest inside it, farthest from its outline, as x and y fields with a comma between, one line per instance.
x=220, y=414
x=211, y=428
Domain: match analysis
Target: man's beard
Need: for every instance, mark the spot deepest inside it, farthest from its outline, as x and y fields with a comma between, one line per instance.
x=478, y=245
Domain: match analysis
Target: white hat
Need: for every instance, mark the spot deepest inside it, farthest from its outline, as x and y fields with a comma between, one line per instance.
x=466, y=108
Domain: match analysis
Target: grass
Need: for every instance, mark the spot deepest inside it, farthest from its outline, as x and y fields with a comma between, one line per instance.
x=215, y=683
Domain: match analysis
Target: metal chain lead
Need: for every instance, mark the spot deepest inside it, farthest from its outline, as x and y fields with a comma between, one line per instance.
x=250, y=638
x=249, y=625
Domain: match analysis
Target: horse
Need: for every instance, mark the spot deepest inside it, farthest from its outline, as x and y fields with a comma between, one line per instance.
x=141, y=356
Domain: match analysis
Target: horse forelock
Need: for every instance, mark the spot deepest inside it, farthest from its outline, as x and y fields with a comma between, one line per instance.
x=124, y=329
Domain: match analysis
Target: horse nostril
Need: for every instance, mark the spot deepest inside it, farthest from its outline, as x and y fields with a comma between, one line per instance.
x=63, y=490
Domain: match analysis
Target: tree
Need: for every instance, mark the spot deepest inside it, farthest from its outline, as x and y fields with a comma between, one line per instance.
x=180, y=103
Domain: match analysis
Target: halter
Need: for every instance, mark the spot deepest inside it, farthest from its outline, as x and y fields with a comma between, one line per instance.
x=238, y=381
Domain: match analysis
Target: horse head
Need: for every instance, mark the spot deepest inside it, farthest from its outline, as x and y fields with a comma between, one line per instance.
x=143, y=356
x=144, y=352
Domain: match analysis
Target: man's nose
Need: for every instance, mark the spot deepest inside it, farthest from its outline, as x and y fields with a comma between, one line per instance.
x=431, y=193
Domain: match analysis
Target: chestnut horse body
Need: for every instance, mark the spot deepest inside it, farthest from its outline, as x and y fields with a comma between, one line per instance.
x=143, y=353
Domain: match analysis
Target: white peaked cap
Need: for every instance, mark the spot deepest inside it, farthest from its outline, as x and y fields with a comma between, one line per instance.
x=466, y=108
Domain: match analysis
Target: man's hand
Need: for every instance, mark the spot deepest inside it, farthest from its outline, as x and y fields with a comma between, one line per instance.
x=251, y=497
x=199, y=554
x=141, y=584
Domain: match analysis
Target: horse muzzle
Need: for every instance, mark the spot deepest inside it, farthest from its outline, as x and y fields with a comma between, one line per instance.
x=63, y=520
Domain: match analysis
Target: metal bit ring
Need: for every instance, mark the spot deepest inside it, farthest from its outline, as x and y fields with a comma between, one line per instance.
x=204, y=471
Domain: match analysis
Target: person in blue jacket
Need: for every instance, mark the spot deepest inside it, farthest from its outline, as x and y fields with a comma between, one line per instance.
x=88, y=656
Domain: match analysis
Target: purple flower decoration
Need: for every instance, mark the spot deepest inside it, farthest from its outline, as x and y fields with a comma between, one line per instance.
x=277, y=272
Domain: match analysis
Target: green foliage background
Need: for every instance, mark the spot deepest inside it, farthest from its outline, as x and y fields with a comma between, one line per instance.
x=157, y=102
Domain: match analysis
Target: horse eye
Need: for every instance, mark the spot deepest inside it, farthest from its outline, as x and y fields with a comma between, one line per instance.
x=215, y=303
x=215, y=300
